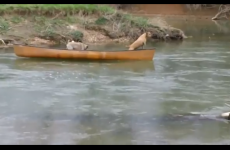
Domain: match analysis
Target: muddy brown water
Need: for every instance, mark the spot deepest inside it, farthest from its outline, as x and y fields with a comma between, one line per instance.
x=66, y=102
x=169, y=9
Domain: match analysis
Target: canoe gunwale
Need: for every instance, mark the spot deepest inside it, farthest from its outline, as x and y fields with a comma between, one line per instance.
x=48, y=48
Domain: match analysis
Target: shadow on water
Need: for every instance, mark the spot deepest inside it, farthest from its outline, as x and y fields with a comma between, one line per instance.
x=99, y=128
x=34, y=63
x=6, y=50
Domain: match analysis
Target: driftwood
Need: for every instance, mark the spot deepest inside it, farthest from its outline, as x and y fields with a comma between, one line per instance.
x=2, y=41
x=7, y=41
x=224, y=10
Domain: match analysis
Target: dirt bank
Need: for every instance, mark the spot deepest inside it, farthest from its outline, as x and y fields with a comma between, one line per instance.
x=93, y=26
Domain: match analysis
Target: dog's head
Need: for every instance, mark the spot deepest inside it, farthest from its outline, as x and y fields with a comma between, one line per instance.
x=85, y=47
x=148, y=34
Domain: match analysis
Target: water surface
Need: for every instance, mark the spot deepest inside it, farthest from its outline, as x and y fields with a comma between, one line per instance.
x=67, y=102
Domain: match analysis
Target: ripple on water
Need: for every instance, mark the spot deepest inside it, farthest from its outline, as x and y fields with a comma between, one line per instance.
x=59, y=102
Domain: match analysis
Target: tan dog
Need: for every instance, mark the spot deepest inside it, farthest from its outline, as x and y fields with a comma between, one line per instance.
x=76, y=45
x=140, y=42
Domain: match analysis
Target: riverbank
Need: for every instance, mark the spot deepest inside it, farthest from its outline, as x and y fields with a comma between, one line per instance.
x=50, y=24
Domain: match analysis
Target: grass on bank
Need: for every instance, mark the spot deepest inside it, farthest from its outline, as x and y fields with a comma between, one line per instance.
x=111, y=22
x=68, y=9
x=52, y=9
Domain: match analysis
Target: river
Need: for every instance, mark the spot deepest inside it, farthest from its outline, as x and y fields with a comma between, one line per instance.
x=67, y=102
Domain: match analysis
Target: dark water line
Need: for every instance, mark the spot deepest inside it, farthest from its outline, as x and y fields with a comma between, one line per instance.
x=138, y=118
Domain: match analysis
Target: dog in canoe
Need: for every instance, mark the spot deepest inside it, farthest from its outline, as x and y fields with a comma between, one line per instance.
x=140, y=42
x=72, y=45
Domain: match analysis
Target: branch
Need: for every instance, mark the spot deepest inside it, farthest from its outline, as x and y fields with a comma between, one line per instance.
x=2, y=41
x=223, y=12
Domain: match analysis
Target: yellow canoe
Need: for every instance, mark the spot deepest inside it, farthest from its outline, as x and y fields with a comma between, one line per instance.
x=41, y=52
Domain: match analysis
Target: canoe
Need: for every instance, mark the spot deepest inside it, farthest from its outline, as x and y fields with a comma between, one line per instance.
x=41, y=52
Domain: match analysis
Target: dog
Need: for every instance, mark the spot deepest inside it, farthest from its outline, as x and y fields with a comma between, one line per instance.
x=140, y=42
x=76, y=45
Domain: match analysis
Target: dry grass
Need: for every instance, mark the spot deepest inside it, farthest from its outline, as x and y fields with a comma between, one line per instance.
x=51, y=22
x=121, y=24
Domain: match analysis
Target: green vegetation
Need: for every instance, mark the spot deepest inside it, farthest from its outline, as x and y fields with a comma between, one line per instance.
x=4, y=26
x=52, y=9
x=51, y=22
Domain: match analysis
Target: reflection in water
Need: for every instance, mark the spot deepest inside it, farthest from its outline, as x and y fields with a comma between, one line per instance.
x=203, y=29
x=136, y=66
x=130, y=102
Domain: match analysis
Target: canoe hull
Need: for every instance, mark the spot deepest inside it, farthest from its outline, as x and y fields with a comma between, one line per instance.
x=37, y=52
